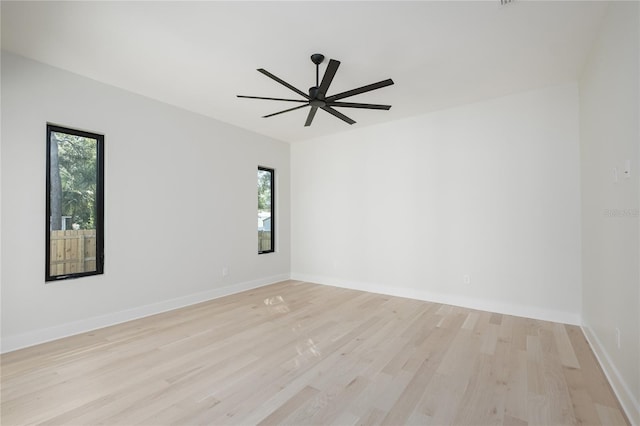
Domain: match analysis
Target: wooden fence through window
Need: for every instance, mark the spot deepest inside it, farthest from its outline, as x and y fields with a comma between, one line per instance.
x=72, y=251
x=264, y=241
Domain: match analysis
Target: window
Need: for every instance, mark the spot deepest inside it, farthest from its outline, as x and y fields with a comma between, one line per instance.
x=75, y=204
x=266, y=231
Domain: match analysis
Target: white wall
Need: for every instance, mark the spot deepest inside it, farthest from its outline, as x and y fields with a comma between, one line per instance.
x=180, y=205
x=610, y=134
x=489, y=189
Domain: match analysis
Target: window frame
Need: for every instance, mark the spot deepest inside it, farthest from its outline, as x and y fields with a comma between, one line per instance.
x=272, y=172
x=99, y=203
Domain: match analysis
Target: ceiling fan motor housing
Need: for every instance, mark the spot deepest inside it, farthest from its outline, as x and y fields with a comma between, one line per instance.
x=317, y=99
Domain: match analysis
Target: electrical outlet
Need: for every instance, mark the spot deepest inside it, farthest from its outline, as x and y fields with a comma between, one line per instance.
x=225, y=271
x=466, y=279
x=618, y=337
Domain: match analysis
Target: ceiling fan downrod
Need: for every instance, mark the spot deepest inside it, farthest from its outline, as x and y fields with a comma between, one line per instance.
x=317, y=58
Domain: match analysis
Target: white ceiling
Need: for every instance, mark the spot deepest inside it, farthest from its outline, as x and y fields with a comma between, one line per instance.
x=199, y=55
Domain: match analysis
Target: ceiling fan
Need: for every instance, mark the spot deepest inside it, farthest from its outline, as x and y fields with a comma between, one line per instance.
x=317, y=97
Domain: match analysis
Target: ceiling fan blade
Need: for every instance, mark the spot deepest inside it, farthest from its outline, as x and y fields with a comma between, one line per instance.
x=286, y=110
x=328, y=76
x=312, y=113
x=356, y=105
x=359, y=90
x=284, y=83
x=340, y=115
x=272, y=99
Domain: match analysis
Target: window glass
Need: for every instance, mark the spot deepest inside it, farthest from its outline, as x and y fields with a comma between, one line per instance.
x=74, y=217
x=265, y=210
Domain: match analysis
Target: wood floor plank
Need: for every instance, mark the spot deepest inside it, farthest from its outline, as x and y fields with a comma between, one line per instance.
x=556, y=387
x=441, y=399
x=301, y=353
x=470, y=321
x=516, y=398
x=289, y=407
x=565, y=349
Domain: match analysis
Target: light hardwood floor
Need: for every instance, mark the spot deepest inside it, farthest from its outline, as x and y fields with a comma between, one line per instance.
x=300, y=353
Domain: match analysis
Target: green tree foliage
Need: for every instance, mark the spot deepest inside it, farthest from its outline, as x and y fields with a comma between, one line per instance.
x=264, y=190
x=77, y=162
x=55, y=200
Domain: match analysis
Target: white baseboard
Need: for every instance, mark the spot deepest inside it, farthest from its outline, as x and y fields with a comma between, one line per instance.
x=533, y=312
x=31, y=338
x=629, y=403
